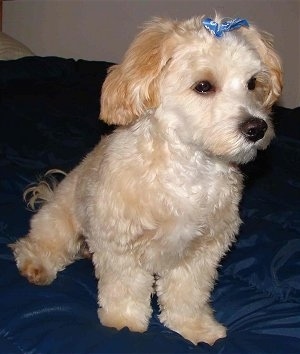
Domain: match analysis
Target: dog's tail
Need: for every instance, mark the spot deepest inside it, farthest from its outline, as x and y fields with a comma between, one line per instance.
x=41, y=192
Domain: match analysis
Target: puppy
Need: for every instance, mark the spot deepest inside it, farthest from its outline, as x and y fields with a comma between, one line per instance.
x=160, y=196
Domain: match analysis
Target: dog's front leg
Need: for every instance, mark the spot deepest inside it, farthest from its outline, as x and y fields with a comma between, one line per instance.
x=183, y=295
x=124, y=291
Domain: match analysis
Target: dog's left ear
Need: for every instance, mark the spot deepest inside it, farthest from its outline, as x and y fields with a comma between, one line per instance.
x=272, y=83
x=133, y=86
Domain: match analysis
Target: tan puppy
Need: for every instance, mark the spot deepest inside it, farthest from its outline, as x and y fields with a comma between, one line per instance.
x=161, y=194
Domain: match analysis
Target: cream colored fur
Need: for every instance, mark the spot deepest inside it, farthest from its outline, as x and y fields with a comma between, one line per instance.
x=161, y=194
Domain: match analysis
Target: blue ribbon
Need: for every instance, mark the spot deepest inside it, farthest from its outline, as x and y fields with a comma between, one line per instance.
x=218, y=29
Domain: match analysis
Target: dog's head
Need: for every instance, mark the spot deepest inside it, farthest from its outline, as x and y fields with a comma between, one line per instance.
x=214, y=92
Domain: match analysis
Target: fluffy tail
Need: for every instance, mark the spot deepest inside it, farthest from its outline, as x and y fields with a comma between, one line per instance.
x=41, y=192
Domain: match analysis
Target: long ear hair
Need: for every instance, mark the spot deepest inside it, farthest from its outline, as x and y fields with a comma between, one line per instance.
x=132, y=87
x=272, y=82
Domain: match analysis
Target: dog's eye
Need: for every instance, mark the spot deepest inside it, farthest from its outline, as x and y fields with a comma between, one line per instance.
x=204, y=87
x=251, y=84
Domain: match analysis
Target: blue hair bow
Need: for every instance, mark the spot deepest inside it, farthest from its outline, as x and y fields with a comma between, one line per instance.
x=218, y=29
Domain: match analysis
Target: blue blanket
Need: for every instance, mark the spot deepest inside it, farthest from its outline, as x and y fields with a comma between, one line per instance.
x=49, y=110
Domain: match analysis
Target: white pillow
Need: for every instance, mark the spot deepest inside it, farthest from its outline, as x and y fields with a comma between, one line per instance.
x=11, y=49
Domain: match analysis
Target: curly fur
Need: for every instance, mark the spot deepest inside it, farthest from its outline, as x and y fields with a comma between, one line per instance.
x=161, y=194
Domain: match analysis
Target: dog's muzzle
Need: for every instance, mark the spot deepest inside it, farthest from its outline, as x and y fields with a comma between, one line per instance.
x=254, y=129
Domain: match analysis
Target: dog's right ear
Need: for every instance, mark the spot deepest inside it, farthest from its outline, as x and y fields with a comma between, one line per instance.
x=131, y=88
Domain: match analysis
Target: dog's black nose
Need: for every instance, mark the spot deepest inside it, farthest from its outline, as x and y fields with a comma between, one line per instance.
x=254, y=129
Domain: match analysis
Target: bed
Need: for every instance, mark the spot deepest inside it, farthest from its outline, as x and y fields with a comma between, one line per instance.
x=49, y=110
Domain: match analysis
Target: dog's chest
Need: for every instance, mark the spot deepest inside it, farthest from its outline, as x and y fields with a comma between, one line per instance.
x=198, y=204
x=199, y=188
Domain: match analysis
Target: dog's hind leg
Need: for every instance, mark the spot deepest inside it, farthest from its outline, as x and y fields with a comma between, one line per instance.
x=52, y=243
x=54, y=240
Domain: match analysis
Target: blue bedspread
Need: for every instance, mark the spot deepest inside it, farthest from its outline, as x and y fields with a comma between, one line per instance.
x=49, y=111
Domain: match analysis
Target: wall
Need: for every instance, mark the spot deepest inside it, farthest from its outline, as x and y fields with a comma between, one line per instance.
x=0, y=15
x=102, y=30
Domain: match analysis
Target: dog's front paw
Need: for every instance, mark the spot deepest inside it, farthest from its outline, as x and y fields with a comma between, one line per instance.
x=119, y=320
x=200, y=329
x=203, y=333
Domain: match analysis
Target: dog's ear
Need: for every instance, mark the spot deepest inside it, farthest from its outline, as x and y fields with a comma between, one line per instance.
x=272, y=81
x=132, y=86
